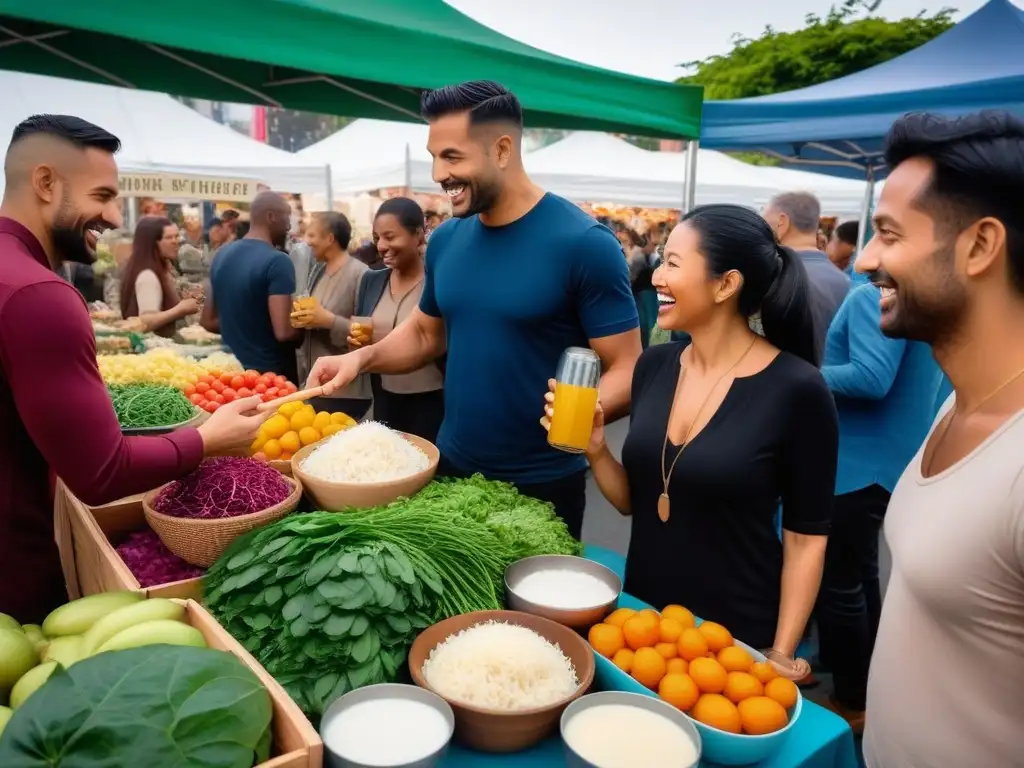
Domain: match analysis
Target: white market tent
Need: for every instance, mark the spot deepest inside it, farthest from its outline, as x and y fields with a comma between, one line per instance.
x=158, y=134
x=583, y=167
x=602, y=168
x=370, y=154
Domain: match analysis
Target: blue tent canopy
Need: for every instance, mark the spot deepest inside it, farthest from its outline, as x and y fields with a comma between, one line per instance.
x=837, y=127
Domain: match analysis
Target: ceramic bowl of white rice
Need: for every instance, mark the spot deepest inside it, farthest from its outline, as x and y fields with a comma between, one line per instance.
x=366, y=466
x=507, y=675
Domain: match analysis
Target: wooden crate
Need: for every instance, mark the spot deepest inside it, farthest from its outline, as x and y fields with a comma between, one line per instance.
x=86, y=537
x=296, y=742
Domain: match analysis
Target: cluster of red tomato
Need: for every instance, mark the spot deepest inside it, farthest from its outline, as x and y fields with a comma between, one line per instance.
x=213, y=389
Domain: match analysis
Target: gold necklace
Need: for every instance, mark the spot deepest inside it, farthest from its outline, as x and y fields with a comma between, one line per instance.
x=953, y=413
x=664, y=506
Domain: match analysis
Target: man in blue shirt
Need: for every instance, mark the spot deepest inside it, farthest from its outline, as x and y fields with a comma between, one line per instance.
x=252, y=283
x=794, y=217
x=885, y=391
x=516, y=277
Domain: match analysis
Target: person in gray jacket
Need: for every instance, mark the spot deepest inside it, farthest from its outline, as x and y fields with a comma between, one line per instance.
x=794, y=216
x=410, y=402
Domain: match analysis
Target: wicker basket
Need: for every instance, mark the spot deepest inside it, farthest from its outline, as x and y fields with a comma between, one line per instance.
x=201, y=542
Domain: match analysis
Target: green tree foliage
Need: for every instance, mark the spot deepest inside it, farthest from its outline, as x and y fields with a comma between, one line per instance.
x=848, y=39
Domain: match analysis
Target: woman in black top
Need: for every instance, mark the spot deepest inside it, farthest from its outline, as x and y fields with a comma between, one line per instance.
x=737, y=421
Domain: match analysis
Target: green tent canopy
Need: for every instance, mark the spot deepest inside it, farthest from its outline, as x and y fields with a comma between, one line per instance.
x=343, y=57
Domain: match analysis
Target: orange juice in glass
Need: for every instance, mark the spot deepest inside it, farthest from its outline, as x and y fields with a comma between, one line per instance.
x=361, y=329
x=301, y=302
x=579, y=372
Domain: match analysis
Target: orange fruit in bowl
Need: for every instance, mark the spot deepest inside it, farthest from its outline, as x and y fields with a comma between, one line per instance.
x=677, y=666
x=308, y=435
x=652, y=613
x=783, y=691
x=691, y=644
x=670, y=630
x=679, y=614
x=618, y=617
x=763, y=671
x=648, y=667
x=606, y=639
x=717, y=711
x=623, y=659
x=717, y=636
x=735, y=659
x=290, y=442
x=708, y=674
x=667, y=650
x=641, y=631
x=678, y=690
x=760, y=715
x=740, y=686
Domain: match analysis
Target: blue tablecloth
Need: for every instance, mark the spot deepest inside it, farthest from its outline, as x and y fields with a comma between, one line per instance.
x=819, y=739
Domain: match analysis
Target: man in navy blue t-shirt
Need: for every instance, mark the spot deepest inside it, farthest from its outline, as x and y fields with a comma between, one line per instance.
x=252, y=284
x=513, y=280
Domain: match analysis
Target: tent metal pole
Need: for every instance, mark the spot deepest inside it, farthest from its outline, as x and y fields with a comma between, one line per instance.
x=330, y=187
x=690, y=182
x=865, y=212
x=408, y=170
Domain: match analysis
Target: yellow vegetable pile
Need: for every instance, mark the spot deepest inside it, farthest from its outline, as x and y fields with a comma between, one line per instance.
x=294, y=426
x=161, y=366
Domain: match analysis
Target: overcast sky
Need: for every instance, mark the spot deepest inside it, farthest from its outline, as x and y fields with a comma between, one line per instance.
x=650, y=37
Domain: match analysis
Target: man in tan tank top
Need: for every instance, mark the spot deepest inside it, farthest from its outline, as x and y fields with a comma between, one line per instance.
x=946, y=688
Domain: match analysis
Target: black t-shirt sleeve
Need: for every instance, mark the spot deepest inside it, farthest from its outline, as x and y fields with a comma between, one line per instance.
x=809, y=454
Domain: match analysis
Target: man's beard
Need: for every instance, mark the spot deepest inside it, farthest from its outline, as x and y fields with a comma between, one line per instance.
x=68, y=235
x=934, y=315
x=482, y=197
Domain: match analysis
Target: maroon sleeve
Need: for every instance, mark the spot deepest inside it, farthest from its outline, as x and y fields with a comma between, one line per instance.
x=50, y=359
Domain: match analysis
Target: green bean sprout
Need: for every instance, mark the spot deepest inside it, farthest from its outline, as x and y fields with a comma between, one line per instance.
x=140, y=406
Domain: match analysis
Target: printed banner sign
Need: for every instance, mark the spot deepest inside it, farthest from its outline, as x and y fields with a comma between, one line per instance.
x=170, y=185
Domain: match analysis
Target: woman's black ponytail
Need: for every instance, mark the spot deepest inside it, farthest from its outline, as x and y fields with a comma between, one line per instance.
x=786, y=313
x=776, y=288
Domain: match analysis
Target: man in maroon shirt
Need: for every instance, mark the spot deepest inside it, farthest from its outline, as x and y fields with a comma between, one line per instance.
x=55, y=414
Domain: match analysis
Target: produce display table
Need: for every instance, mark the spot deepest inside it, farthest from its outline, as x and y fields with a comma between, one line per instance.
x=819, y=738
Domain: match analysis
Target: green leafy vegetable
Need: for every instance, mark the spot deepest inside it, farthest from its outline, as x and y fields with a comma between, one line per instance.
x=346, y=594
x=162, y=705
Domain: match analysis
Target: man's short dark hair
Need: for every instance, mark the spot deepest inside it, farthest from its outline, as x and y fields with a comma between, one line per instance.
x=74, y=130
x=802, y=208
x=485, y=100
x=338, y=225
x=230, y=215
x=978, y=162
x=847, y=232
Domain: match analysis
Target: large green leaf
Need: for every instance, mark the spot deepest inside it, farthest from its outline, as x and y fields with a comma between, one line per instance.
x=161, y=705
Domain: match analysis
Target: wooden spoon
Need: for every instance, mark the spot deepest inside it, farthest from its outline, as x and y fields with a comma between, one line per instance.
x=302, y=394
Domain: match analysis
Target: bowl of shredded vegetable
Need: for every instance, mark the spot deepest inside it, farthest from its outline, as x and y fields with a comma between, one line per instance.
x=151, y=409
x=200, y=515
